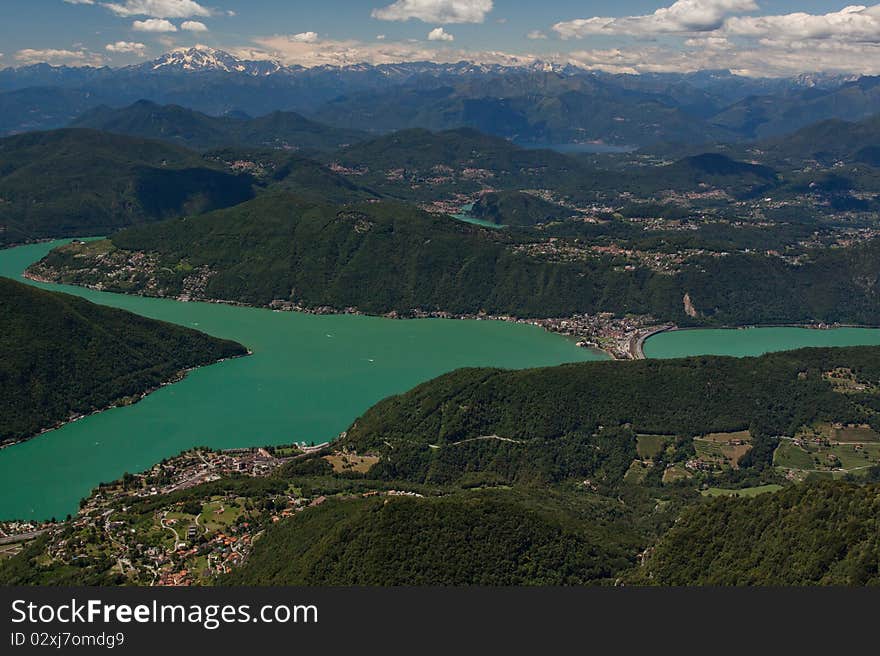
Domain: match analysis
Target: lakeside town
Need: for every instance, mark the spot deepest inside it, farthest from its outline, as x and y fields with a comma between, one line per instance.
x=169, y=526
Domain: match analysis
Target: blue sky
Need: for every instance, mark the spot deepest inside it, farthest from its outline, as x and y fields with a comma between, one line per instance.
x=758, y=37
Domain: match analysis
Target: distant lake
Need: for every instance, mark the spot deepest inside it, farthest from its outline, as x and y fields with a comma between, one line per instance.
x=464, y=216
x=753, y=341
x=310, y=377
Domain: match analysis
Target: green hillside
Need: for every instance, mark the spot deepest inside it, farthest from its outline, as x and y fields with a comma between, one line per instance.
x=65, y=356
x=379, y=257
x=582, y=420
x=463, y=539
x=823, y=534
x=82, y=182
x=384, y=256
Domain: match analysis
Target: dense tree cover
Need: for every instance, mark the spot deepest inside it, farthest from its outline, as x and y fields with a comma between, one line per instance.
x=712, y=169
x=483, y=538
x=831, y=285
x=379, y=257
x=64, y=356
x=310, y=179
x=579, y=420
x=194, y=129
x=82, y=182
x=383, y=257
x=816, y=534
x=515, y=208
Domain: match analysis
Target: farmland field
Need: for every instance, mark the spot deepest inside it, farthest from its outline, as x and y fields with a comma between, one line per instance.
x=649, y=446
x=747, y=492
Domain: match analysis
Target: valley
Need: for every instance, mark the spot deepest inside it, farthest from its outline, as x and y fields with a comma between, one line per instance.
x=531, y=323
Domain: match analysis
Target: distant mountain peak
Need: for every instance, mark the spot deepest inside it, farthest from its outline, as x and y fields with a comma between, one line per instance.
x=205, y=59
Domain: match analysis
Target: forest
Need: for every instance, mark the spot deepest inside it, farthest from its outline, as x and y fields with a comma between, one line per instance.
x=384, y=256
x=581, y=420
x=75, y=183
x=820, y=534
x=477, y=538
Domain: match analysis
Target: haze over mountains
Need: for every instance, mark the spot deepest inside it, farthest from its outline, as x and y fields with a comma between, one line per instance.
x=538, y=103
x=285, y=130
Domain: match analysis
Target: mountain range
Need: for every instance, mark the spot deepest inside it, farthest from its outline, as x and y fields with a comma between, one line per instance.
x=536, y=103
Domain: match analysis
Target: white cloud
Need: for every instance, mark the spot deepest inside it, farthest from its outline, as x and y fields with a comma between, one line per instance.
x=127, y=47
x=153, y=25
x=439, y=34
x=857, y=23
x=305, y=37
x=436, y=11
x=159, y=8
x=286, y=49
x=58, y=57
x=534, y=35
x=709, y=42
x=715, y=37
x=380, y=37
x=80, y=2
x=765, y=59
x=193, y=26
x=682, y=17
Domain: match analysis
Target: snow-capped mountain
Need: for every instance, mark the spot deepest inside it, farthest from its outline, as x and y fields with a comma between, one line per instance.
x=506, y=98
x=204, y=59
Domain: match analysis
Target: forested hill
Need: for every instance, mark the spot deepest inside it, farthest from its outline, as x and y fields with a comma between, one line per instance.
x=194, y=129
x=580, y=420
x=83, y=182
x=65, y=356
x=464, y=539
x=382, y=256
x=378, y=257
x=823, y=534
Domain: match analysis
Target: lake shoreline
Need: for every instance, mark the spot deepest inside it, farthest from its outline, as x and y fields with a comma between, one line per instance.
x=135, y=399
x=549, y=324
x=309, y=379
x=817, y=326
x=633, y=348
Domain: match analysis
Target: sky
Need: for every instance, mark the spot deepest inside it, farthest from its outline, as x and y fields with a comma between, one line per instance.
x=749, y=37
